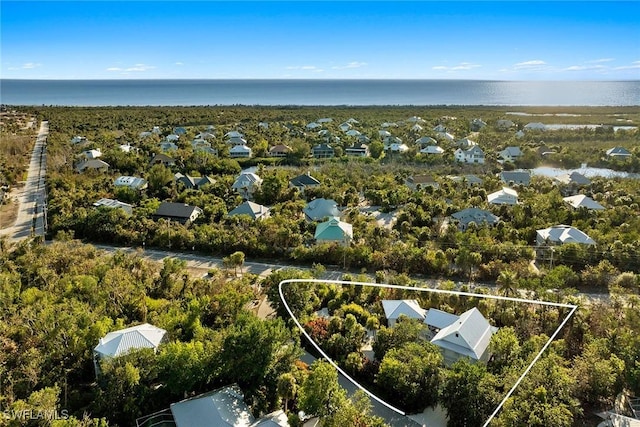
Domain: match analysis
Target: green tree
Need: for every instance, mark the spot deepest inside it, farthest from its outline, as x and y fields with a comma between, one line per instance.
x=320, y=393
x=287, y=388
x=411, y=374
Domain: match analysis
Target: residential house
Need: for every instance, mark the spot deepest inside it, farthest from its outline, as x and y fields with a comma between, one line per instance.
x=78, y=139
x=440, y=128
x=200, y=145
x=561, y=234
x=472, y=155
x=470, y=180
x=280, y=150
x=477, y=124
x=233, y=134
x=351, y=121
x=193, y=181
x=437, y=319
x=236, y=140
x=506, y=196
x=417, y=182
x=384, y=133
x=393, y=309
x=322, y=151
x=510, y=154
x=313, y=125
x=504, y=124
x=328, y=120
x=431, y=150
x=475, y=215
x=545, y=151
x=92, y=164
x=162, y=159
x=389, y=125
x=179, y=130
x=519, y=134
x=573, y=179
x=145, y=134
x=222, y=407
x=345, y=126
x=252, y=210
x=206, y=135
x=396, y=148
x=304, y=181
x=618, y=152
x=582, y=201
x=178, y=212
x=319, y=209
x=246, y=184
x=468, y=336
x=263, y=125
x=167, y=146
x=130, y=182
x=416, y=119
x=425, y=141
x=465, y=143
x=359, y=149
x=127, y=148
x=123, y=341
x=520, y=177
x=416, y=128
x=240, y=151
x=114, y=204
x=535, y=126
x=92, y=154
x=334, y=230
x=172, y=138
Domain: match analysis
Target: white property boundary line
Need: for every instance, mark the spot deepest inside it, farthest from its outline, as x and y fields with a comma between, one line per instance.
x=442, y=291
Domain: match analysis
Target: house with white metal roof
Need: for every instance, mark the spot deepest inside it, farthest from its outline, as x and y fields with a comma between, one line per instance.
x=319, y=209
x=253, y=210
x=123, y=341
x=130, y=182
x=114, y=204
x=582, y=201
x=468, y=336
x=410, y=308
x=506, y=196
x=475, y=215
x=561, y=234
x=246, y=184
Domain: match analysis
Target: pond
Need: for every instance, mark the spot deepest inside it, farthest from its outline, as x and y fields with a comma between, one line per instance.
x=586, y=171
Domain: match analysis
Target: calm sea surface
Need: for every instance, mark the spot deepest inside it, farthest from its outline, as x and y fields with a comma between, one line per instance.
x=318, y=92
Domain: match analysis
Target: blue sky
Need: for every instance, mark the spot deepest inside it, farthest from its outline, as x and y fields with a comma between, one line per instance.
x=505, y=40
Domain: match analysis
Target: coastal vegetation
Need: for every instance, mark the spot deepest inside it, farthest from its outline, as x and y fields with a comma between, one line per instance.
x=58, y=300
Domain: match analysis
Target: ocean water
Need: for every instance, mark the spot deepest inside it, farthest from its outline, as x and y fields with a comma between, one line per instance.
x=318, y=92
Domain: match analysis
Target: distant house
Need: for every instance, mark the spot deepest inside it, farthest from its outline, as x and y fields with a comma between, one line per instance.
x=222, y=407
x=506, y=196
x=202, y=146
x=515, y=177
x=410, y=308
x=322, y=151
x=535, y=126
x=510, y=154
x=468, y=336
x=114, y=204
x=465, y=143
x=179, y=130
x=416, y=128
x=545, y=151
x=344, y=126
x=92, y=164
x=178, y=212
x=78, y=139
x=121, y=342
x=167, y=146
x=477, y=124
x=280, y=150
x=250, y=209
x=304, y=181
x=432, y=150
x=359, y=149
x=573, y=179
x=560, y=234
x=172, y=138
x=582, y=201
x=240, y=151
x=470, y=180
x=328, y=120
x=334, y=230
x=236, y=140
x=504, y=124
x=475, y=215
x=127, y=148
x=193, y=181
x=246, y=184
x=162, y=159
x=130, y=182
x=233, y=134
x=417, y=182
x=313, y=125
x=618, y=152
x=440, y=128
x=425, y=141
x=472, y=155
x=263, y=125
x=206, y=135
x=92, y=154
x=319, y=209
x=396, y=148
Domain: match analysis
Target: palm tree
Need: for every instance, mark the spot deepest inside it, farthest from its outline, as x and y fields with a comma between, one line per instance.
x=507, y=283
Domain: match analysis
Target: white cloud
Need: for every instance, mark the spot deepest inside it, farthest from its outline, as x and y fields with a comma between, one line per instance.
x=179, y=63
x=601, y=60
x=136, y=67
x=353, y=64
x=305, y=68
x=31, y=65
x=634, y=65
x=585, y=68
x=459, y=67
x=535, y=64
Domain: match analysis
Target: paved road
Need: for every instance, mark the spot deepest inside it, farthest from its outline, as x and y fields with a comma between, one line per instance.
x=31, y=199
